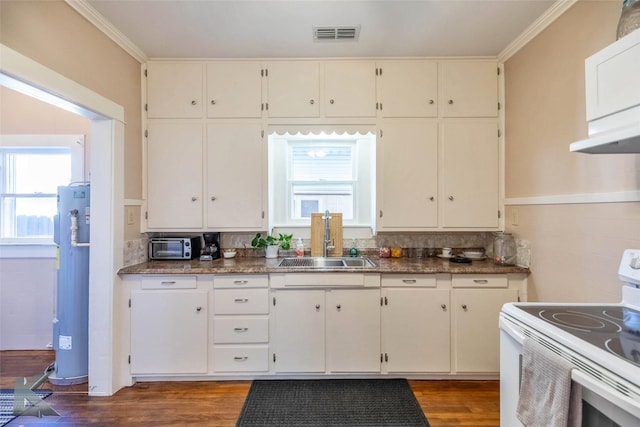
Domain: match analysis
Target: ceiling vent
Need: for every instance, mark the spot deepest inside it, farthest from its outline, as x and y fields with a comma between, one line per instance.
x=336, y=33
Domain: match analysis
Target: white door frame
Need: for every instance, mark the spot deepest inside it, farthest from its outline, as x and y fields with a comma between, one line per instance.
x=107, y=371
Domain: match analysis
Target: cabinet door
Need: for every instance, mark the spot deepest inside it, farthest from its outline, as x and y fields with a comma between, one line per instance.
x=174, y=175
x=236, y=162
x=169, y=332
x=234, y=89
x=294, y=89
x=408, y=89
x=608, y=74
x=470, y=174
x=353, y=330
x=349, y=89
x=416, y=330
x=408, y=175
x=299, y=318
x=468, y=89
x=477, y=336
x=174, y=90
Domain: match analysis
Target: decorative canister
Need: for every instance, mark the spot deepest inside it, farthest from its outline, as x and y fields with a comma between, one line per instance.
x=629, y=18
x=504, y=249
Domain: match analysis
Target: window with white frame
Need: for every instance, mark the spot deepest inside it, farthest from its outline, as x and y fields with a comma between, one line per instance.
x=31, y=169
x=318, y=172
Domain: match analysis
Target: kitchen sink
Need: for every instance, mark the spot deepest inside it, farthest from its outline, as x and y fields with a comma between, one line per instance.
x=322, y=262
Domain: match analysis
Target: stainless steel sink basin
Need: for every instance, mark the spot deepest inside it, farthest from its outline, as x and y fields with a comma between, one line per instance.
x=321, y=262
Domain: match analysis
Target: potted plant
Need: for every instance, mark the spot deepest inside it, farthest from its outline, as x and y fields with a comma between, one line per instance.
x=272, y=243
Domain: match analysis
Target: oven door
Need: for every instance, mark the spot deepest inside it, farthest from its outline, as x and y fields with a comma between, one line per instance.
x=602, y=404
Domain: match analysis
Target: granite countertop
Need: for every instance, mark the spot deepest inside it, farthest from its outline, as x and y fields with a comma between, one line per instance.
x=253, y=265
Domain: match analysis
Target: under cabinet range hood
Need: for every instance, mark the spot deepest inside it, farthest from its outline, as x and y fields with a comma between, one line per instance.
x=613, y=99
x=622, y=140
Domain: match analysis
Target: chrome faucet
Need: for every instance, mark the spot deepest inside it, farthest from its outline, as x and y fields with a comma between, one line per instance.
x=327, y=235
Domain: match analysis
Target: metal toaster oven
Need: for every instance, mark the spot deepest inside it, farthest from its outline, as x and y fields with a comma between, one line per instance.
x=174, y=247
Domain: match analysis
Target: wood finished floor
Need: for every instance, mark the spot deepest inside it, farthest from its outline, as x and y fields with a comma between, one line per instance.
x=218, y=403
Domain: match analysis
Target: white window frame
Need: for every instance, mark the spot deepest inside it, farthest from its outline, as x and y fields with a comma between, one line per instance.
x=280, y=187
x=76, y=144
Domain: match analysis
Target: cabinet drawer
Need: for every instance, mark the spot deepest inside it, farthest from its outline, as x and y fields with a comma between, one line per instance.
x=241, y=301
x=241, y=358
x=409, y=280
x=479, y=281
x=241, y=281
x=240, y=330
x=168, y=282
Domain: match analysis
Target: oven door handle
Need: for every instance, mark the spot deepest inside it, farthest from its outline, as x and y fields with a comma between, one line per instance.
x=510, y=329
x=618, y=399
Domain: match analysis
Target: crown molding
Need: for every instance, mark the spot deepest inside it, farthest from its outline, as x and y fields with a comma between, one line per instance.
x=100, y=22
x=539, y=25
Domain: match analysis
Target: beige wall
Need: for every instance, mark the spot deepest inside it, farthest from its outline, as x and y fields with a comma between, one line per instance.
x=54, y=35
x=575, y=247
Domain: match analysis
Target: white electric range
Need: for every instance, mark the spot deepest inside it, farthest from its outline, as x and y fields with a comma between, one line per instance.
x=601, y=341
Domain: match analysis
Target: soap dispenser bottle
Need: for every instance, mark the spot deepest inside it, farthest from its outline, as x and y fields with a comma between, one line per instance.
x=299, y=247
x=353, y=252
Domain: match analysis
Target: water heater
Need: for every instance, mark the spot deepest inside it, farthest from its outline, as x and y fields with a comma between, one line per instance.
x=71, y=322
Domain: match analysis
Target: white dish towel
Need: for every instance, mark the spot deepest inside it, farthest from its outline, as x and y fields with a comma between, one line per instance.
x=548, y=397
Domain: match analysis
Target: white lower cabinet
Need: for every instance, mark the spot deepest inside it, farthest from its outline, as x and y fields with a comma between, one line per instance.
x=475, y=312
x=240, y=324
x=415, y=329
x=169, y=328
x=343, y=324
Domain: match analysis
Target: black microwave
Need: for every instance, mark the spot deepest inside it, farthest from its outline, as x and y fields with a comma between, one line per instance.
x=174, y=247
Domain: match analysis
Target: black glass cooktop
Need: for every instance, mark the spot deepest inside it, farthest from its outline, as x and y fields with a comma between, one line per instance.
x=613, y=328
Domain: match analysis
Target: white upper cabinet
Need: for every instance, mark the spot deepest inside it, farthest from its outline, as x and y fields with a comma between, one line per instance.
x=408, y=89
x=407, y=175
x=468, y=89
x=174, y=175
x=349, y=89
x=470, y=173
x=174, y=90
x=293, y=89
x=611, y=77
x=236, y=173
x=234, y=89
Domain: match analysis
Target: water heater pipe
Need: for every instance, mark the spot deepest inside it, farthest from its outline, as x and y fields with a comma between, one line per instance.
x=74, y=229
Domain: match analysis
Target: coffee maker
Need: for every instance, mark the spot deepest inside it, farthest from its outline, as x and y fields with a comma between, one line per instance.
x=211, y=246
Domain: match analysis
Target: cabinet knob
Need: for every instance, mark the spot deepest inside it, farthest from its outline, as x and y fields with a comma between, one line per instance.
x=431, y=198
x=451, y=198
x=213, y=102
x=464, y=307
x=450, y=101
x=331, y=101
x=317, y=307
x=213, y=198
x=311, y=101
x=198, y=309
x=443, y=307
x=431, y=101
x=194, y=199
x=339, y=307
x=194, y=102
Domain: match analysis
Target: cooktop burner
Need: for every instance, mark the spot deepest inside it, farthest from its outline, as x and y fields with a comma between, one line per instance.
x=613, y=328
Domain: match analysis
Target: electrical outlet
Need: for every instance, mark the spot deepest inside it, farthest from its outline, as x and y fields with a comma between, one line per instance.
x=130, y=218
x=515, y=216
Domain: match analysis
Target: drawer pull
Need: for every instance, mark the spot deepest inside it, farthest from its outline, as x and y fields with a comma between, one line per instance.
x=241, y=300
x=409, y=281
x=240, y=329
x=168, y=283
x=240, y=282
x=481, y=281
x=240, y=358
